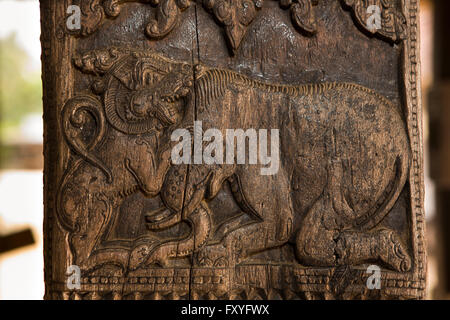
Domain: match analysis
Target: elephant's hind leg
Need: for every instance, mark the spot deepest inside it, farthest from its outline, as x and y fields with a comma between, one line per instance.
x=315, y=241
x=320, y=242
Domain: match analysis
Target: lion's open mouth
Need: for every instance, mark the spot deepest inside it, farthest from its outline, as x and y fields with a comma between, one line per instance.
x=161, y=218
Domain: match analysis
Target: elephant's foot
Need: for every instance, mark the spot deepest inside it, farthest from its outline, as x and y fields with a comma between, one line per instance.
x=384, y=245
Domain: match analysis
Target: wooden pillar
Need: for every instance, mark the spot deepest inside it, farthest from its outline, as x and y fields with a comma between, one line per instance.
x=323, y=98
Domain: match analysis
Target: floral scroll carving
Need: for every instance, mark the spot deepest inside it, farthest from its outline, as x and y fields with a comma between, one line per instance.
x=393, y=22
x=234, y=15
x=302, y=14
x=237, y=15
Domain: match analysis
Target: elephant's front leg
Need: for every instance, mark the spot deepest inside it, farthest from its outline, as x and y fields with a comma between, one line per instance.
x=353, y=248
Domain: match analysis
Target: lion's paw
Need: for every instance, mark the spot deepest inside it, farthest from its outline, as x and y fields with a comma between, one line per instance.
x=392, y=251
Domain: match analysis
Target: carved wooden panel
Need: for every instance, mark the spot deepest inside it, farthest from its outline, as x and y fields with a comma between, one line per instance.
x=338, y=99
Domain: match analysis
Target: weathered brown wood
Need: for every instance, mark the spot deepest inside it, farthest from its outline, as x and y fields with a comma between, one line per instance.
x=340, y=98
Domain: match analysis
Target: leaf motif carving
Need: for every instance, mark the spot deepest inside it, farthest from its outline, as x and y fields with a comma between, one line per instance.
x=236, y=16
x=302, y=14
x=393, y=23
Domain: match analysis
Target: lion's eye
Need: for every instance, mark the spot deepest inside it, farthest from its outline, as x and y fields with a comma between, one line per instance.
x=139, y=109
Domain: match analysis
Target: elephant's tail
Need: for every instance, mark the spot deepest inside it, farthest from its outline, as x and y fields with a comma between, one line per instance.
x=385, y=203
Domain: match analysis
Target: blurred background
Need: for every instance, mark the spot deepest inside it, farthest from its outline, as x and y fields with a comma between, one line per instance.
x=21, y=161
x=21, y=130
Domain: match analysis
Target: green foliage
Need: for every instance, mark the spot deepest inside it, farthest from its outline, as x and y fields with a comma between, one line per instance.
x=20, y=89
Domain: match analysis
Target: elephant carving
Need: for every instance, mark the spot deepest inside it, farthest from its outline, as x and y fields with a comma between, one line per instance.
x=344, y=152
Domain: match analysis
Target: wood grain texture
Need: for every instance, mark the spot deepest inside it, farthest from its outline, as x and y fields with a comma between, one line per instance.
x=348, y=192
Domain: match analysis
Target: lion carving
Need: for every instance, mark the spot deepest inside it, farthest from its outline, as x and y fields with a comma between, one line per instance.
x=344, y=162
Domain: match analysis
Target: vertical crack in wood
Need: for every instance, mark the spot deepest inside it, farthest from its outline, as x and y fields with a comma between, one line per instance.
x=196, y=43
